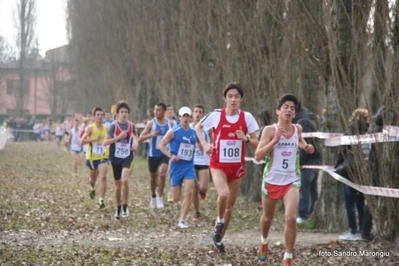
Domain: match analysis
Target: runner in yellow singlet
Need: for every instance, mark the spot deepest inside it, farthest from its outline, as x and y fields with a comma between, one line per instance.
x=97, y=154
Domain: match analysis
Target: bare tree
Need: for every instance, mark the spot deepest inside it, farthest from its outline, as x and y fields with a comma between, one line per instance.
x=26, y=17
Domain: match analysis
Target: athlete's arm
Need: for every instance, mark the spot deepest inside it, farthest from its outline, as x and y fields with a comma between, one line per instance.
x=84, y=139
x=145, y=133
x=164, y=142
x=109, y=139
x=135, y=144
x=268, y=140
x=302, y=143
x=201, y=139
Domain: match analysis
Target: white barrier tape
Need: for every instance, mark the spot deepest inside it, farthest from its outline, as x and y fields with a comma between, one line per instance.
x=361, y=139
x=368, y=190
x=321, y=135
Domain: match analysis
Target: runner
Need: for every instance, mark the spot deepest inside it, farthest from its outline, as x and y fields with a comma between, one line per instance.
x=201, y=164
x=59, y=133
x=97, y=154
x=182, y=139
x=122, y=138
x=74, y=146
x=155, y=130
x=108, y=119
x=281, y=177
x=230, y=128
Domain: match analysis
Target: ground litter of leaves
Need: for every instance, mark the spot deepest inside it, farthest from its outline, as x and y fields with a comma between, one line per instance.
x=47, y=218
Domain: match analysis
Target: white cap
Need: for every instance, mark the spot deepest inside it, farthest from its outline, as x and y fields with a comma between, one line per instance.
x=185, y=110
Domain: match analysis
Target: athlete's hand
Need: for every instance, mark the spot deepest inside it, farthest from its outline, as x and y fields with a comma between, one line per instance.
x=156, y=133
x=135, y=146
x=123, y=134
x=279, y=132
x=208, y=149
x=309, y=148
x=174, y=158
x=240, y=134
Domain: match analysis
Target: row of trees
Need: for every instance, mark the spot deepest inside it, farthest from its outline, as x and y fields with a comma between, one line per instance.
x=336, y=55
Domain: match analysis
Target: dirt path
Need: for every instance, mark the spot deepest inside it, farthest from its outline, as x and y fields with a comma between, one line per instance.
x=247, y=238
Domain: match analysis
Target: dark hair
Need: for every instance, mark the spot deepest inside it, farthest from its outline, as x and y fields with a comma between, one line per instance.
x=122, y=104
x=264, y=116
x=233, y=85
x=200, y=106
x=358, y=127
x=95, y=109
x=162, y=105
x=288, y=98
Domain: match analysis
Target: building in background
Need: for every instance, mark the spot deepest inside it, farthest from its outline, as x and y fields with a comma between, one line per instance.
x=47, y=84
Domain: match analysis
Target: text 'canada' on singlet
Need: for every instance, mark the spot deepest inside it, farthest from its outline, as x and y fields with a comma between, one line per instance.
x=282, y=163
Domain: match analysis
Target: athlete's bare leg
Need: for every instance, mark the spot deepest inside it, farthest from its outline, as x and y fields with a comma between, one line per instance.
x=189, y=186
x=222, y=188
x=125, y=184
x=161, y=178
x=234, y=188
x=269, y=210
x=102, y=172
x=291, y=201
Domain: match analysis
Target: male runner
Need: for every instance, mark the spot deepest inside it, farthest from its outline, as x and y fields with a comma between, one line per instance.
x=232, y=129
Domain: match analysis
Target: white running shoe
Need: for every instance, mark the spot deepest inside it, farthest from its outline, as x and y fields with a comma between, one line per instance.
x=159, y=203
x=348, y=236
x=182, y=224
x=153, y=203
x=125, y=214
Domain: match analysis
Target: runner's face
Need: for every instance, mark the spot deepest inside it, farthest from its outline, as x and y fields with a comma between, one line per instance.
x=98, y=116
x=287, y=111
x=185, y=120
x=233, y=99
x=169, y=112
x=159, y=112
x=123, y=114
x=198, y=114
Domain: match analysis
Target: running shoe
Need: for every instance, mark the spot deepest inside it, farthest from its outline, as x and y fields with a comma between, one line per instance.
x=219, y=248
x=92, y=193
x=197, y=216
x=260, y=207
x=125, y=213
x=153, y=203
x=117, y=215
x=350, y=237
x=101, y=204
x=170, y=197
x=182, y=224
x=217, y=232
x=262, y=254
x=159, y=203
x=288, y=262
x=203, y=195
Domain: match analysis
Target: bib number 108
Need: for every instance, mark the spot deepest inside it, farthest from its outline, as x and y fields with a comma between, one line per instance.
x=231, y=152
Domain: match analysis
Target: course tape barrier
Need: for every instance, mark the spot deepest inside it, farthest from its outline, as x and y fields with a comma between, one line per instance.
x=368, y=190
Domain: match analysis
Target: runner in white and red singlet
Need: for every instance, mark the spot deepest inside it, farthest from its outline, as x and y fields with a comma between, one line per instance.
x=279, y=143
x=232, y=129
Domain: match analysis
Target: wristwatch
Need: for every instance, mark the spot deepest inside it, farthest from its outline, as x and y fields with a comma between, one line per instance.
x=248, y=139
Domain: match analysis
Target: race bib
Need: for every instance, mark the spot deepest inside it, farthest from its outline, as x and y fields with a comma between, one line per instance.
x=186, y=151
x=122, y=150
x=230, y=151
x=158, y=141
x=98, y=149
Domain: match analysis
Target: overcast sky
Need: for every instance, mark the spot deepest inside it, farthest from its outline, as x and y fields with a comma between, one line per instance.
x=50, y=24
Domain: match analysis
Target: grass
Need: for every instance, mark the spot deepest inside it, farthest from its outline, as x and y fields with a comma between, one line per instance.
x=47, y=218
